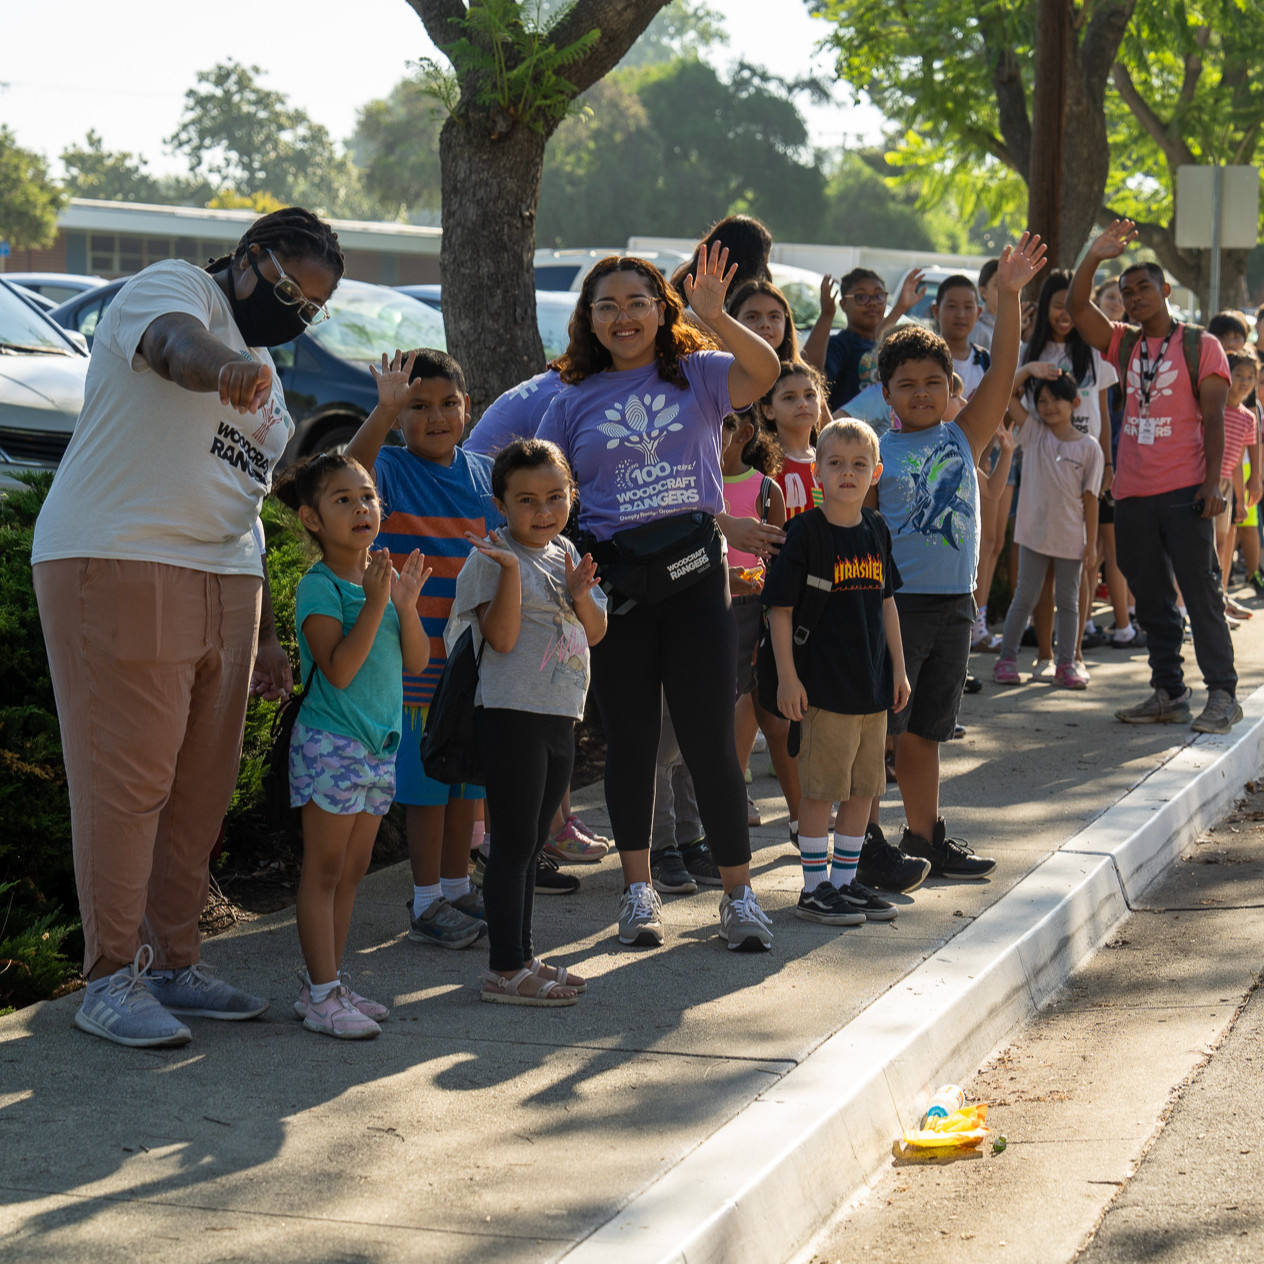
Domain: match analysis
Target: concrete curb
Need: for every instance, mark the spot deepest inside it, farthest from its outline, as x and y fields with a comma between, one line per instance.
x=759, y=1186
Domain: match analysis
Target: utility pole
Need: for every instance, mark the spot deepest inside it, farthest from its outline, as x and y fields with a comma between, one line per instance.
x=1048, y=125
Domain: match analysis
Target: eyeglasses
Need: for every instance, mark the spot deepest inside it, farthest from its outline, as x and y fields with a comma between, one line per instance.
x=291, y=294
x=607, y=309
x=865, y=300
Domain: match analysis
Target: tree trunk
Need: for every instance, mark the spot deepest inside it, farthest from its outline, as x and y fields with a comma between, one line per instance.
x=491, y=184
x=1045, y=203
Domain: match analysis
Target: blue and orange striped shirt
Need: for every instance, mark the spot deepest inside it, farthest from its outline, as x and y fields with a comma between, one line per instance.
x=430, y=507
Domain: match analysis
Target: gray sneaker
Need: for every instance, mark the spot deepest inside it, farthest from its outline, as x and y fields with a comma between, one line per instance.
x=196, y=992
x=743, y=923
x=120, y=1008
x=444, y=925
x=1158, y=708
x=1220, y=714
x=641, y=916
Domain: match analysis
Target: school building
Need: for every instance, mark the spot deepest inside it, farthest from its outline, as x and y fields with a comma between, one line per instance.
x=115, y=239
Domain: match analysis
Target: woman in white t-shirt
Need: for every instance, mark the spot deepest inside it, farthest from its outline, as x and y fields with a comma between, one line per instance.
x=1056, y=347
x=148, y=578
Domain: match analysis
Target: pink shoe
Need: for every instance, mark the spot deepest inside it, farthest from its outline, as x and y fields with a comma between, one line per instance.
x=1069, y=676
x=336, y=1016
x=586, y=832
x=1005, y=672
x=570, y=845
x=370, y=1009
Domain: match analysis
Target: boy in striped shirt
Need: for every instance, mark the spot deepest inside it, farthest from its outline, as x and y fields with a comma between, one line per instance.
x=433, y=492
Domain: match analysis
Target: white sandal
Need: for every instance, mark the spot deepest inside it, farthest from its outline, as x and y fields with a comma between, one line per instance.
x=563, y=975
x=510, y=996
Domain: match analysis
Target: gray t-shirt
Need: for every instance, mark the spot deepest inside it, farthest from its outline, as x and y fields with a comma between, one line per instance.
x=547, y=671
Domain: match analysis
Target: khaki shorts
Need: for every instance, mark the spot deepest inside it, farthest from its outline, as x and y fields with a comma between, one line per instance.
x=842, y=756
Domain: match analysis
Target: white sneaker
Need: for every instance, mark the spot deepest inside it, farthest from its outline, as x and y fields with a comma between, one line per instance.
x=1044, y=670
x=743, y=923
x=641, y=916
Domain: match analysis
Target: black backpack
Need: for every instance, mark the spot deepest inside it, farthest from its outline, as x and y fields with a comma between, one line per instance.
x=807, y=614
x=449, y=752
x=276, y=776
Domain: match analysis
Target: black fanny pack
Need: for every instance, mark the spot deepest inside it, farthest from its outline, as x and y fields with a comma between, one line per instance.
x=655, y=561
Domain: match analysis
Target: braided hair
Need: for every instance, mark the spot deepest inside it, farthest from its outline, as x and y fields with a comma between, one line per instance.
x=292, y=233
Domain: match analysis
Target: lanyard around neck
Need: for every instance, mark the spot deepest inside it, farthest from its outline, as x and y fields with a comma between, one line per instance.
x=1148, y=374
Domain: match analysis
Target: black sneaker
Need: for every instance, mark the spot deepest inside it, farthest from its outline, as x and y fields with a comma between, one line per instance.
x=669, y=875
x=826, y=906
x=872, y=905
x=701, y=864
x=794, y=837
x=549, y=880
x=885, y=866
x=949, y=857
x=973, y=685
x=1256, y=580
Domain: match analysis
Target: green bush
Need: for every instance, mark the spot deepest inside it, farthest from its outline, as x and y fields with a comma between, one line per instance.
x=32, y=964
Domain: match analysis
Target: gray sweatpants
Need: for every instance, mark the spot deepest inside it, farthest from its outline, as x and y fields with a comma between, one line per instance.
x=1032, y=569
x=676, y=819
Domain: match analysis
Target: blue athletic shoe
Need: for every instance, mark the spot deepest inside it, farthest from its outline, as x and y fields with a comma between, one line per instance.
x=195, y=991
x=121, y=1008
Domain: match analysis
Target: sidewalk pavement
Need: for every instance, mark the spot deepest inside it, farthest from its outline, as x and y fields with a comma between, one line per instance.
x=478, y=1132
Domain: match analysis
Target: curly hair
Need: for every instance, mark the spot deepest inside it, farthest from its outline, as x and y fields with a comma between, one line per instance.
x=912, y=342
x=676, y=337
x=789, y=346
x=294, y=234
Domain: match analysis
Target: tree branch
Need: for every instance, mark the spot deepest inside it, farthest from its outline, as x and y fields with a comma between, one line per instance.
x=436, y=15
x=1194, y=66
x=1011, y=97
x=620, y=23
x=1102, y=37
x=1174, y=148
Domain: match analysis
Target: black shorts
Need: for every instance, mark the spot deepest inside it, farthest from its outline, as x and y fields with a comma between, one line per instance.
x=935, y=633
x=748, y=614
x=1105, y=510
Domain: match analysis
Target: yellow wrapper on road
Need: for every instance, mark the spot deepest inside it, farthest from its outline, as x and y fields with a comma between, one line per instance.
x=963, y=1129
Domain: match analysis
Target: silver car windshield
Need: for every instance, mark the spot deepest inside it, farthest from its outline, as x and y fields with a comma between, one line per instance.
x=367, y=320
x=21, y=328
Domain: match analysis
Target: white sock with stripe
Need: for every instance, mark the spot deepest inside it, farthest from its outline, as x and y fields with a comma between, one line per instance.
x=814, y=856
x=846, y=858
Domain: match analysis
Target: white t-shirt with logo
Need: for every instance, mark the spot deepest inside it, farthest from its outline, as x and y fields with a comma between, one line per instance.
x=1101, y=375
x=154, y=472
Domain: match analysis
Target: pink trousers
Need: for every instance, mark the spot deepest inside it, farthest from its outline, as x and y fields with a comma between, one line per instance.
x=151, y=670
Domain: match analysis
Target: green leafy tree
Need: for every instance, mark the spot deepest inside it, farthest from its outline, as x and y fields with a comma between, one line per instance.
x=396, y=146
x=29, y=200
x=245, y=139
x=512, y=75
x=685, y=28
x=92, y=171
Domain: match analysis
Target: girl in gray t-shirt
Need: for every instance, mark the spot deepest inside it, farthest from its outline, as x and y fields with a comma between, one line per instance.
x=536, y=608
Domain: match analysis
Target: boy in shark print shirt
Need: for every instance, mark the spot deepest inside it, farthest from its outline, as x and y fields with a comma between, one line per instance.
x=930, y=500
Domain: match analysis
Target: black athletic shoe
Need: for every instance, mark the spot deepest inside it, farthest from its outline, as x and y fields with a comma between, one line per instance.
x=701, y=864
x=870, y=903
x=826, y=905
x=885, y=866
x=549, y=880
x=1093, y=640
x=973, y=685
x=794, y=837
x=669, y=875
x=949, y=857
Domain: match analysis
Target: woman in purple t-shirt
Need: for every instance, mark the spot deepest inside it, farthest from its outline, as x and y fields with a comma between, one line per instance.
x=640, y=423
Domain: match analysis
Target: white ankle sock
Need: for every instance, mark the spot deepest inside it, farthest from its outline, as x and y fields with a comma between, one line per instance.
x=322, y=991
x=454, y=888
x=424, y=897
x=846, y=858
x=813, y=856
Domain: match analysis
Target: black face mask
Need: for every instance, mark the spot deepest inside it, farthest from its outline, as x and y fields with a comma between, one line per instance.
x=262, y=319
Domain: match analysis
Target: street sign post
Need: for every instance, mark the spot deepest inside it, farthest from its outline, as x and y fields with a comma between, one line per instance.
x=1217, y=208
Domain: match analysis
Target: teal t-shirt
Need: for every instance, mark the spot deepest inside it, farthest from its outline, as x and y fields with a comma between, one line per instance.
x=370, y=709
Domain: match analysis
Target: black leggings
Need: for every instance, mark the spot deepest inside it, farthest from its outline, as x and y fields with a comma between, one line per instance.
x=527, y=761
x=684, y=649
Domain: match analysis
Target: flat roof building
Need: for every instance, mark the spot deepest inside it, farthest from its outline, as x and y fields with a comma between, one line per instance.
x=114, y=239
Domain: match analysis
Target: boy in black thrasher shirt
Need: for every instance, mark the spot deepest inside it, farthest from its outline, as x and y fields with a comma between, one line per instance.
x=848, y=673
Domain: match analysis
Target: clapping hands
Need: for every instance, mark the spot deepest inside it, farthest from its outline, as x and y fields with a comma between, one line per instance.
x=406, y=585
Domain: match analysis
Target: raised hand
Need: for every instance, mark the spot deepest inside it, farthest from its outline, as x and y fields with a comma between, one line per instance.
x=1020, y=262
x=828, y=303
x=377, y=578
x=911, y=291
x=705, y=291
x=1005, y=436
x=394, y=390
x=406, y=586
x=581, y=579
x=1113, y=241
x=494, y=548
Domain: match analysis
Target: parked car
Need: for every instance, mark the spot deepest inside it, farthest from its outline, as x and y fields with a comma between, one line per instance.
x=36, y=299
x=552, y=314
x=324, y=372
x=42, y=372
x=931, y=277
x=58, y=287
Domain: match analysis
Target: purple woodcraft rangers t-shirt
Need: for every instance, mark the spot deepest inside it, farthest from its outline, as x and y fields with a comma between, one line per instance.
x=515, y=415
x=641, y=448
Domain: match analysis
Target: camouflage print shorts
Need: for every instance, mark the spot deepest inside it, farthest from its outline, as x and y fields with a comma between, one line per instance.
x=338, y=773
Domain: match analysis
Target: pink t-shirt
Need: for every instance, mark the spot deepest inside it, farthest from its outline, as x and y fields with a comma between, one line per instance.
x=741, y=500
x=1239, y=431
x=1175, y=458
